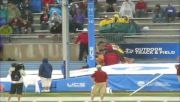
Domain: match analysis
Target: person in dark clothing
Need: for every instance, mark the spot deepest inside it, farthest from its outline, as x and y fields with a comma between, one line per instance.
x=83, y=40
x=45, y=73
x=170, y=13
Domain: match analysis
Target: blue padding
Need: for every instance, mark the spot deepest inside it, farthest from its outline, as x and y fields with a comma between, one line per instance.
x=29, y=88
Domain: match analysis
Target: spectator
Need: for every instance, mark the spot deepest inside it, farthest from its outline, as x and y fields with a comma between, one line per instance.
x=16, y=71
x=141, y=8
x=6, y=29
x=178, y=71
x=44, y=21
x=111, y=2
x=45, y=73
x=127, y=9
x=16, y=24
x=55, y=19
x=28, y=22
x=158, y=14
x=110, y=8
x=82, y=39
x=79, y=19
x=170, y=13
x=100, y=79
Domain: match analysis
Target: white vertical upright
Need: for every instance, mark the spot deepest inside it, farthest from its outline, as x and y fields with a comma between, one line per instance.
x=65, y=36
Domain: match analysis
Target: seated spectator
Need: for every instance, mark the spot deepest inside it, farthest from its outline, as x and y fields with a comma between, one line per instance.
x=23, y=6
x=54, y=9
x=44, y=18
x=6, y=30
x=3, y=15
x=158, y=14
x=141, y=8
x=111, y=2
x=13, y=11
x=127, y=9
x=55, y=19
x=170, y=13
x=110, y=8
x=28, y=21
x=79, y=19
x=56, y=28
x=16, y=24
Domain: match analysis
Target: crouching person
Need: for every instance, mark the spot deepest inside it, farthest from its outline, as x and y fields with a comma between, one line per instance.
x=16, y=71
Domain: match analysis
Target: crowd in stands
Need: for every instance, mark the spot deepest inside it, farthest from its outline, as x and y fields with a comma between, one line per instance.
x=17, y=14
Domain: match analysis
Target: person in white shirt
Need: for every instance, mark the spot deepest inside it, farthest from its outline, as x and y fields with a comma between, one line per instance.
x=16, y=71
x=127, y=9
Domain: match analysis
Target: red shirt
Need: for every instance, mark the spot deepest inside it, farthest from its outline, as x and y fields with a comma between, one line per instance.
x=82, y=38
x=99, y=76
x=48, y=1
x=178, y=69
x=112, y=57
x=141, y=5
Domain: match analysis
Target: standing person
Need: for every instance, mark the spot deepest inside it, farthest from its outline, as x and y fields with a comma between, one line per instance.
x=45, y=73
x=178, y=69
x=82, y=39
x=100, y=83
x=16, y=71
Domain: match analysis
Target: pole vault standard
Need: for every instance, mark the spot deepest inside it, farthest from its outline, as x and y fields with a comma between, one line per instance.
x=65, y=36
x=91, y=35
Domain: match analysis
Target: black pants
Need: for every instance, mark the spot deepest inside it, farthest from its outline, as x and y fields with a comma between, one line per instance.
x=16, y=88
x=82, y=49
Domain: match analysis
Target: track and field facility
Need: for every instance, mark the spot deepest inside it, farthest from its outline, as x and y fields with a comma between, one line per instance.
x=85, y=97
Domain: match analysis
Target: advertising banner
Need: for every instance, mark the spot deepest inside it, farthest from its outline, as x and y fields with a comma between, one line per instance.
x=121, y=83
x=152, y=50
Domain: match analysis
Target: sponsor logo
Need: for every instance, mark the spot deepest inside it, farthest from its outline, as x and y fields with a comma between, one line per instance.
x=71, y=85
x=129, y=51
x=157, y=83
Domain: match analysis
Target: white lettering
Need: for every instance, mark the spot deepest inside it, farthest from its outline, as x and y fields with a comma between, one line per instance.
x=76, y=84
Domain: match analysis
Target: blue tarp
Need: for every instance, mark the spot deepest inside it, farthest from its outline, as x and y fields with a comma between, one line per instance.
x=116, y=82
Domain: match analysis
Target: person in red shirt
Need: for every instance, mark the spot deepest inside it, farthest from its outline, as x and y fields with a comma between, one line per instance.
x=141, y=8
x=112, y=56
x=178, y=71
x=82, y=39
x=100, y=83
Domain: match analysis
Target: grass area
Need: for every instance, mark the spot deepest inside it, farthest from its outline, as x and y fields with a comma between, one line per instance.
x=85, y=94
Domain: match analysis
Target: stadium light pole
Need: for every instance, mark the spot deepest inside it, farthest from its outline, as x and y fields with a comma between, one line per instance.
x=65, y=36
